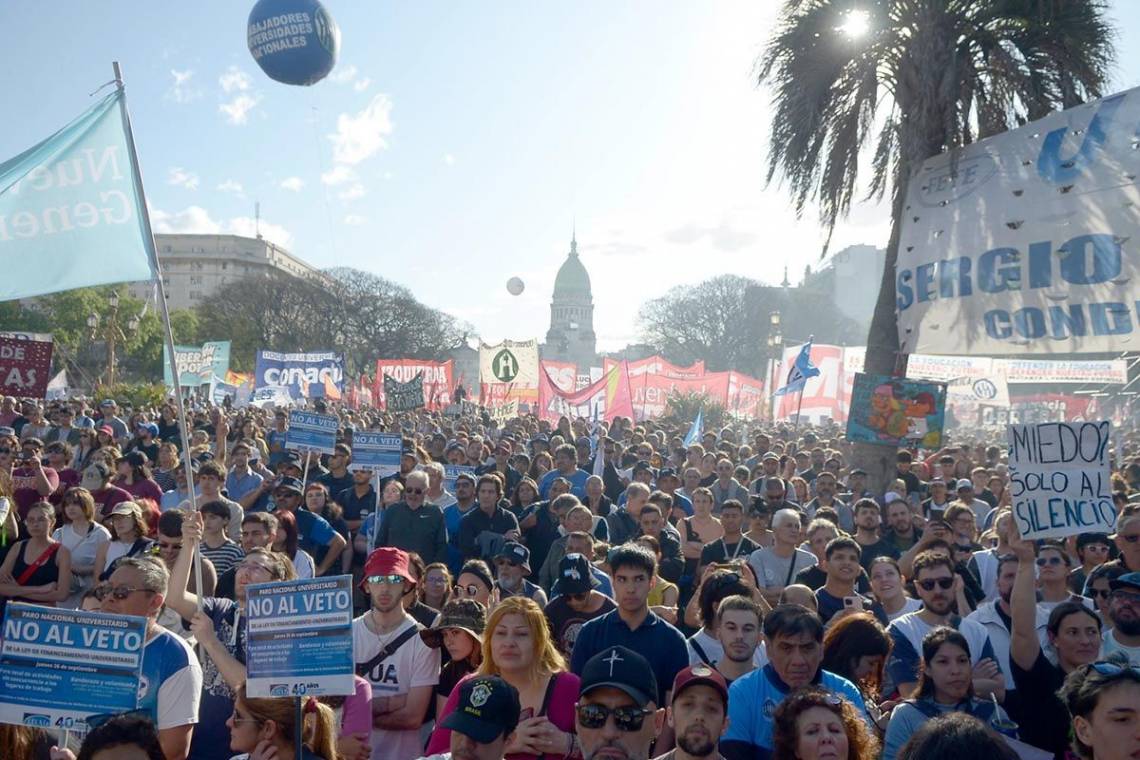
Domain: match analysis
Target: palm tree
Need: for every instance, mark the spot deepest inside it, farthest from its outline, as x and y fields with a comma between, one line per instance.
x=904, y=80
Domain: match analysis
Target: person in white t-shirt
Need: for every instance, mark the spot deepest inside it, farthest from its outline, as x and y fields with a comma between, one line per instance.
x=391, y=655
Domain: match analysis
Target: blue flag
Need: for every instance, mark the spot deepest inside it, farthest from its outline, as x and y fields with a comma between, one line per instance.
x=801, y=370
x=696, y=429
x=71, y=212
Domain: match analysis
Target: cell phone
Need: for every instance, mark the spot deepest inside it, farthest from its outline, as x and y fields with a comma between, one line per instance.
x=853, y=602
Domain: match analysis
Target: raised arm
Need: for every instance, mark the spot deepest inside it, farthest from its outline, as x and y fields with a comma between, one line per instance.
x=1023, y=646
x=178, y=598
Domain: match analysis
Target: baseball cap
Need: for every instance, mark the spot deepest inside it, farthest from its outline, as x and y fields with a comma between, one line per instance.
x=770, y=456
x=106, y=429
x=516, y=553
x=666, y=472
x=964, y=483
x=465, y=614
x=289, y=484
x=700, y=674
x=292, y=458
x=387, y=560
x=7, y=431
x=642, y=466
x=488, y=708
x=465, y=476
x=1128, y=580
x=574, y=576
x=623, y=669
x=893, y=496
x=107, y=402
x=126, y=508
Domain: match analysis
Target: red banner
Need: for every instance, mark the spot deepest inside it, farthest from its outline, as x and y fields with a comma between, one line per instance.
x=604, y=400
x=659, y=365
x=828, y=394
x=437, y=379
x=745, y=395
x=25, y=367
x=564, y=375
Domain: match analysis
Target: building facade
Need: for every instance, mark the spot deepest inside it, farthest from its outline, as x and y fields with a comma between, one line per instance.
x=194, y=267
x=571, y=335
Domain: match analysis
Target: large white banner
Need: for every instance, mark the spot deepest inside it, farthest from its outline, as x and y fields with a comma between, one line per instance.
x=1026, y=242
x=508, y=371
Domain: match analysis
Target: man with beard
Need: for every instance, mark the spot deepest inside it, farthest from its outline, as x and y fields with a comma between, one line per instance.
x=901, y=531
x=826, y=487
x=868, y=521
x=936, y=584
x=617, y=717
x=1124, y=612
x=738, y=621
x=698, y=714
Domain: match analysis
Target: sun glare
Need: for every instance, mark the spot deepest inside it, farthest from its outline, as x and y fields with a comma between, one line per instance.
x=856, y=23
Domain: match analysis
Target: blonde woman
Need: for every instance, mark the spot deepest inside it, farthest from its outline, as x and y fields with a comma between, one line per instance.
x=518, y=647
x=265, y=728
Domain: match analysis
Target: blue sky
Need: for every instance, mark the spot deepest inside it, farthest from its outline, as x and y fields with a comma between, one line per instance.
x=456, y=144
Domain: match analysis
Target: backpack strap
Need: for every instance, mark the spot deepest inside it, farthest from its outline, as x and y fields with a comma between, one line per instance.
x=362, y=668
x=701, y=653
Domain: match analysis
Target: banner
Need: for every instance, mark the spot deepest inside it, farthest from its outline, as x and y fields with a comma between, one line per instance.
x=376, y=452
x=309, y=431
x=437, y=380
x=507, y=411
x=564, y=375
x=604, y=400
x=1059, y=479
x=508, y=371
x=1041, y=407
x=25, y=367
x=299, y=640
x=896, y=411
x=1111, y=372
x=298, y=370
x=198, y=364
x=71, y=212
x=404, y=397
x=824, y=395
x=451, y=472
x=745, y=395
x=58, y=667
x=983, y=391
x=1024, y=242
x=219, y=390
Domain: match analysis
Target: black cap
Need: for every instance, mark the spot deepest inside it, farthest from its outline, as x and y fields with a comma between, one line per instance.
x=622, y=669
x=289, y=484
x=666, y=472
x=574, y=576
x=293, y=458
x=516, y=554
x=488, y=708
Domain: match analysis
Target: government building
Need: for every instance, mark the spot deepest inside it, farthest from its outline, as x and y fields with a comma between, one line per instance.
x=571, y=335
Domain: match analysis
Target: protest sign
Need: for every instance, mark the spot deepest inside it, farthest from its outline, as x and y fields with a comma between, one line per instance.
x=404, y=397
x=604, y=400
x=509, y=370
x=299, y=370
x=309, y=431
x=25, y=367
x=451, y=472
x=896, y=411
x=1059, y=479
x=58, y=667
x=437, y=379
x=505, y=412
x=376, y=452
x=300, y=638
x=197, y=365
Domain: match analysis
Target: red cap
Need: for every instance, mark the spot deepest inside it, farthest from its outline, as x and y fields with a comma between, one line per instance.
x=388, y=560
x=107, y=429
x=700, y=674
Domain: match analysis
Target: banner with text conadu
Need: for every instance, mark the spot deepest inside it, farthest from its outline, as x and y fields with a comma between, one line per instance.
x=437, y=380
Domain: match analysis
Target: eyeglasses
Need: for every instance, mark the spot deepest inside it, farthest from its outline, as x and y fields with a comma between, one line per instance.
x=470, y=590
x=930, y=583
x=625, y=718
x=416, y=491
x=1113, y=669
x=1043, y=561
x=119, y=592
x=391, y=580
x=1101, y=592
x=237, y=719
x=169, y=544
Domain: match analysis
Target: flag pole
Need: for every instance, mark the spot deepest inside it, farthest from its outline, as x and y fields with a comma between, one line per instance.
x=799, y=406
x=164, y=310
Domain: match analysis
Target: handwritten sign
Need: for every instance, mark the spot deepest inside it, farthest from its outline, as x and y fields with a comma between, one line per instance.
x=300, y=638
x=309, y=431
x=378, y=453
x=1059, y=476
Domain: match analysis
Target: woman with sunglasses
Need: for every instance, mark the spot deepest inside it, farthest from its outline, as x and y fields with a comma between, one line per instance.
x=37, y=570
x=517, y=646
x=1053, y=577
x=814, y=723
x=435, y=591
x=266, y=729
x=83, y=537
x=1103, y=699
x=475, y=582
x=945, y=685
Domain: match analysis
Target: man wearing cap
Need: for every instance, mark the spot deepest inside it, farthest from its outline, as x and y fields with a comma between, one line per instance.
x=97, y=479
x=312, y=529
x=512, y=565
x=575, y=602
x=617, y=714
x=965, y=490
x=462, y=503
x=392, y=656
x=565, y=466
x=856, y=486
x=145, y=441
x=413, y=525
x=486, y=714
x=698, y=714
x=178, y=496
x=826, y=487
x=939, y=500
x=1124, y=612
x=108, y=415
x=668, y=482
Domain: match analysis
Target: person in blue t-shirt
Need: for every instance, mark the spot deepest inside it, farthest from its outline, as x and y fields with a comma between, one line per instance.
x=565, y=466
x=793, y=636
x=313, y=530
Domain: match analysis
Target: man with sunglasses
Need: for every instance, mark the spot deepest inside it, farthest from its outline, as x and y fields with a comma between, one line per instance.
x=414, y=525
x=1124, y=612
x=391, y=655
x=936, y=584
x=617, y=715
x=1127, y=540
x=575, y=602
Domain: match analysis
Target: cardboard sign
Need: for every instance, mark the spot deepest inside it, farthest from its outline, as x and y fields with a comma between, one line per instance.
x=1059, y=479
x=309, y=431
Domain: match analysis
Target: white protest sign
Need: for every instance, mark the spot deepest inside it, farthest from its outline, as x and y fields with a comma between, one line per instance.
x=1059, y=479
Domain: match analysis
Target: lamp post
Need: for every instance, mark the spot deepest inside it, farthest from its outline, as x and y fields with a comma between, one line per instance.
x=111, y=332
x=775, y=346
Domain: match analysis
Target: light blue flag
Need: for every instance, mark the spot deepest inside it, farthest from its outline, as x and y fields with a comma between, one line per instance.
x=801, y=370
x=696, y=430
x=71, y=212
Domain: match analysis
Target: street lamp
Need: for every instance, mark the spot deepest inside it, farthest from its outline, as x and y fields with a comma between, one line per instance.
x=111, y=332
x=775, y=346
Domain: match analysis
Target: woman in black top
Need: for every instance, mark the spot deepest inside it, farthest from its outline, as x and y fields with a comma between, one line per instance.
x=38, y=569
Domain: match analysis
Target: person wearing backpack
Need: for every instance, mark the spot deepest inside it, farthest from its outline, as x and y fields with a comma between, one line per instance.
x=945, y=685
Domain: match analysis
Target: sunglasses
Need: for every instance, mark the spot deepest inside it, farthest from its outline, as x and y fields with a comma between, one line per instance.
x=1043, y=561
x=930, y=583
x=625, y=718
x=119, y=592
x=416, y=491
x=391, y=580
x=470, y=590
x=1103, y=593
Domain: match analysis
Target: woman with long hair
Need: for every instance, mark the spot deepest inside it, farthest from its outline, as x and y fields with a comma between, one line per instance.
x=87, y=446
x=857, y=647
x=945, y=685
x=518, y=647
x=83, y=537
x=815, y=723
x=286, y=541
x=258, y=725
x=435, y=591
x=541, y=465
x=320, y=502
x=459, y=631
x=36, y=570
x=800, y=490
x=130, y=536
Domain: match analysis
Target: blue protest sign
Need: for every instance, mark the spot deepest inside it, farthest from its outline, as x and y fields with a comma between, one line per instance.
x=377, y=452
x=299, y=370
x=309, y=431
x=58, y=667
x=451, y=472
x=300, y=638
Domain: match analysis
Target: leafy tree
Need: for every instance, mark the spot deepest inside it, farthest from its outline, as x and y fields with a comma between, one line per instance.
x=682, y=408
x=909, y=80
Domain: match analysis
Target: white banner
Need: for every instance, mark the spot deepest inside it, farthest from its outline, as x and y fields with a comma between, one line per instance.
x=1025, y=242
x=1111, y=372
x=509, y=362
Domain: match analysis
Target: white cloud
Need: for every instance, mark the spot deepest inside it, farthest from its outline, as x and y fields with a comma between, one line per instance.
x=352, y=192
x=182, y=178
x=449, y=159
x=183, y=90
x=359, y=136
x=293, y=183
x=230, y=186
x=354, y=219
x=197, y=220
x=362, y=84
x=237, y=110
x=389, y=175
x=338, y=175
x=234, y=79
x=343, y=74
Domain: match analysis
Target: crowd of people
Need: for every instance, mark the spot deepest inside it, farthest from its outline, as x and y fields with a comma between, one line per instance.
x=578, y=590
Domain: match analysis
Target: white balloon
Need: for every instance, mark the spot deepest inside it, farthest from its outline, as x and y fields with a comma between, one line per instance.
x=515, y=286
